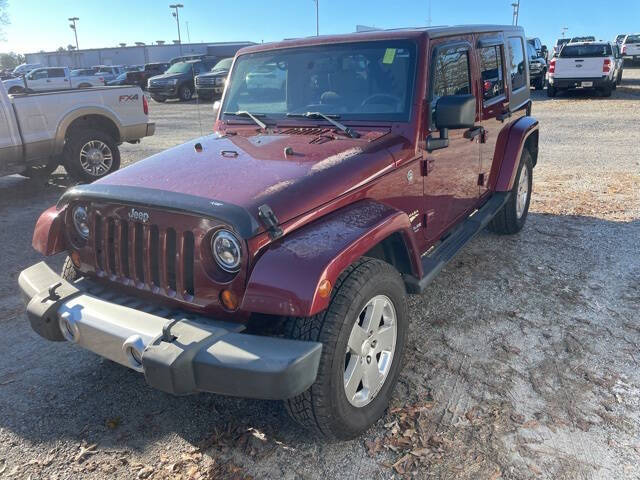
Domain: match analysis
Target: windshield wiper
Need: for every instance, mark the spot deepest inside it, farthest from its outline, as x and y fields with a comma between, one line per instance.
x=351, y=133
x=254, y=117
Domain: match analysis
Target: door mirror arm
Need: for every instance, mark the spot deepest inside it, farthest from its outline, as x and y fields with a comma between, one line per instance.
x=438, y=143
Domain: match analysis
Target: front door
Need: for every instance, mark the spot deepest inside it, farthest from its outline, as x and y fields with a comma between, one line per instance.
x=495, y=102
x=451, y=181
x=37, y=79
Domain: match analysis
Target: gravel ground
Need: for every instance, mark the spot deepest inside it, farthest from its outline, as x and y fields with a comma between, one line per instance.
x=523, y=360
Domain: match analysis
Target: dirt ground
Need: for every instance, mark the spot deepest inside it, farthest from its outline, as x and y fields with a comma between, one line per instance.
x=523, y=360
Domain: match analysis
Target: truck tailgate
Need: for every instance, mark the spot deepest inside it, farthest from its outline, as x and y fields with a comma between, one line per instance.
x=579, y=67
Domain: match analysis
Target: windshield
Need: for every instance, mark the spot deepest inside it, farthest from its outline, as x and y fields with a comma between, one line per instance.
x=357, y=81
x=562, y=41
x=223, y=64
x=632, y=39
x=77, y=73
x=180, y=67
x=585, y=51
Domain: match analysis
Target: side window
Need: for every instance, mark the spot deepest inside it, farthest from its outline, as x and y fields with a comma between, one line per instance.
x=518, y=68
x=492, y=72
x=450, y=73
x=38, y=75
x=56, y=73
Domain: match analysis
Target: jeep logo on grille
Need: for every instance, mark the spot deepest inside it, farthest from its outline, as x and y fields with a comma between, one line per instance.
x=138, y=216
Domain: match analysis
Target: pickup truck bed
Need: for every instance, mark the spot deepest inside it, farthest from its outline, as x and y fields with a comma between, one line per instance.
x=39, y=129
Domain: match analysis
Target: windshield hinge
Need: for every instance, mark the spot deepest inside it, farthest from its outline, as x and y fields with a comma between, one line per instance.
x=270, y=221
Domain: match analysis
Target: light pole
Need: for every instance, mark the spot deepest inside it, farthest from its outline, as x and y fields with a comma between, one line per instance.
x=73, y=27
x=516, y=12
x=317, y=17
x=176, y=6
x=564, y=30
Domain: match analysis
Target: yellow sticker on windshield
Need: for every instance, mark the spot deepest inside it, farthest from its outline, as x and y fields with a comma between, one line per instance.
x=389, y=56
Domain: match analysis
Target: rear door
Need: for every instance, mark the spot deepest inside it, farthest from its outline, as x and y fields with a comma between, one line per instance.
x=495, y=101
x=451, y=182
x=57, y=79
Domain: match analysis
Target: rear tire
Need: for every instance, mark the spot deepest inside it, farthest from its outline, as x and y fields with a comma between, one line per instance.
x=90, y=154
x=513, y=215
x=606, y=91
x=551, y=91
x=16, y=90
x=540, y=83
x=367, y=295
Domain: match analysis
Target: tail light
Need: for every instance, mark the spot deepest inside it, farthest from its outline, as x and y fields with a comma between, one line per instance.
x=606, y=66
x=145, y=104
x=552, y=66
x=624, y=49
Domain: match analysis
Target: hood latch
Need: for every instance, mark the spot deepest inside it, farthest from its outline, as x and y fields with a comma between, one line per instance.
x=270, y=221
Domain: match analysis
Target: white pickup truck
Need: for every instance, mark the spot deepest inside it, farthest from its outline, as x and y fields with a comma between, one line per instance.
x=80, y=129
x=51, y=78
x=631, y=47
x=584, y=65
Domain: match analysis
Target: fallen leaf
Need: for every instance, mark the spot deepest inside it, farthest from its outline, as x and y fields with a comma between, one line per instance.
x=113, y=423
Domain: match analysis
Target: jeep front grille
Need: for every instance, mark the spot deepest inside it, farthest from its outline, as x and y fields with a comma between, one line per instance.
x=148, y=257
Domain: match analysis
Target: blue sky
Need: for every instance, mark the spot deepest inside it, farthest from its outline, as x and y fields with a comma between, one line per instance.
x=42, y=24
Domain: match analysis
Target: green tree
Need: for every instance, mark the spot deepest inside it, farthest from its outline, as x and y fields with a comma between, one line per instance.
x=8, y=61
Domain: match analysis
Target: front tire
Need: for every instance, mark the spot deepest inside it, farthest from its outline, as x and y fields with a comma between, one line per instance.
x=363, y=334
x=90, y=154
x=513, y=215
x=69, y=271
x=185, y=93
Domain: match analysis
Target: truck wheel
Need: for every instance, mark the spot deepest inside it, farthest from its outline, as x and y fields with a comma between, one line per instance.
x=551, y=91
x=185, y=93
x=69, y=271
x=363, y=334
x=540, y=83
x=158, y=99
x=606, y=91
x=513, y=215
x=90, y=154
x=16, y=90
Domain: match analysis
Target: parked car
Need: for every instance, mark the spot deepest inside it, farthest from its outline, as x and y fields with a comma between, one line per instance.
x=586, y=65
x=6, y=74
x=266, y=77
x=109, y=72
x=158, y=68
x=588, y=38
x=25, y=68
x=537, y=68
x=186, y=58
x=631, y=47
x=51, y=78
x=559, y=44
x=310, y=223
x=177, y=81
x=210, y=85
x=133, y=77
x=82, y=72
x=540, y=49
x=79, y=129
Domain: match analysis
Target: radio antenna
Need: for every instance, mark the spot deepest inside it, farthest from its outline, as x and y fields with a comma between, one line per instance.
x=197, y=99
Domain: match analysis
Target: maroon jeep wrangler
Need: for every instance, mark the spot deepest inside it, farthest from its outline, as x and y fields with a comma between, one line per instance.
x=272, y=258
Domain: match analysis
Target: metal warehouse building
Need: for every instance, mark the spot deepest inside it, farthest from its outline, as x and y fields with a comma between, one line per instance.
x=134, y=55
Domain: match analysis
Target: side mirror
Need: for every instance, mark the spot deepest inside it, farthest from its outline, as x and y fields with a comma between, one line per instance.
x=216, y=108
x=452, y=112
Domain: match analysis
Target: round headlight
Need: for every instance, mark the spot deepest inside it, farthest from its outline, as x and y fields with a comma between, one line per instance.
x=226, y=250
x=81, y=221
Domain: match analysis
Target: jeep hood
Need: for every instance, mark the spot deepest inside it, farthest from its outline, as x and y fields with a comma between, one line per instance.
x=245, y=171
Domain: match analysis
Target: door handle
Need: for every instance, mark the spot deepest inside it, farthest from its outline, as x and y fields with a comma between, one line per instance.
x=473, y=133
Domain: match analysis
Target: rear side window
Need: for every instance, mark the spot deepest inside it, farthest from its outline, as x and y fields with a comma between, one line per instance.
x=518, y=70
x=586, y=51
x=450, y=74
x=56, y=72
x=492, y=72
x=632, y=39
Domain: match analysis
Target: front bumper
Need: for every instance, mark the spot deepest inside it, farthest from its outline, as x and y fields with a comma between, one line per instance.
x=210, y=89
x=598, y=82
x=163, y=90
x=178, y=353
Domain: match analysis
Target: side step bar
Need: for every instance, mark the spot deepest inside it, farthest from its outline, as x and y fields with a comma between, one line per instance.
x=458, y=238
